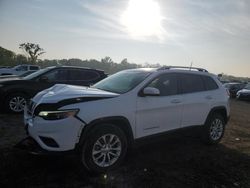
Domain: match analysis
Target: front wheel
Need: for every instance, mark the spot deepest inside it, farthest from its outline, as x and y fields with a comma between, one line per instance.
x=214, y=129
x=15, y=103
x=105, y=148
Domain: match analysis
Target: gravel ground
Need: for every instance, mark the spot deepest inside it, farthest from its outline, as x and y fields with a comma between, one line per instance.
x=179, y=160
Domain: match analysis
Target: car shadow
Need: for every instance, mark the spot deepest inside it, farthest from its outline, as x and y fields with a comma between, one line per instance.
x=178, y=160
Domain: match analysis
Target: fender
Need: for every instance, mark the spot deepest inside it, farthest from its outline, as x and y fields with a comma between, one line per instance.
x=119, y=121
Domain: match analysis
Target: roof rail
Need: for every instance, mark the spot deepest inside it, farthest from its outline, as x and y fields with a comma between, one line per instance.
x=182, y=67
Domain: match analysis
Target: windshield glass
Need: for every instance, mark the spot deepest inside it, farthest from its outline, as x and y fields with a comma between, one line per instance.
x=37, y=73
x=247, y=86
x=122, y=82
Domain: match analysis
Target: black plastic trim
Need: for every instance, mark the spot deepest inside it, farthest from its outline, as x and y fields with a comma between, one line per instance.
x=56, y=106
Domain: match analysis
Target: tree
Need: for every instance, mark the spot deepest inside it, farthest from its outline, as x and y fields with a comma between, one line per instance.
x=33, y=50
x=107, y=60
x=7, y=57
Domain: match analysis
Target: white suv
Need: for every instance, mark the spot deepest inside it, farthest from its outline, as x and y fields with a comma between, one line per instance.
x=103, y=121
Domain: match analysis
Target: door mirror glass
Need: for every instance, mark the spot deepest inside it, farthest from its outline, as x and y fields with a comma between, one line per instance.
x=151, y=91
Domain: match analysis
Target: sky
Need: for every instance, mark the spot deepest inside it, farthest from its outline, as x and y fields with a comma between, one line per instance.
x=213, y=34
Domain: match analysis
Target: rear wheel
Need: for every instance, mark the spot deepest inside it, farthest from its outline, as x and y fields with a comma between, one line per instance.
x=104, y=149
x=214, y=129
x=15, y=103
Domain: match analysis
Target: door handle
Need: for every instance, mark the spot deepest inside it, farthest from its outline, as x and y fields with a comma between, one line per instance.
x=209, y=97
x=176, y=101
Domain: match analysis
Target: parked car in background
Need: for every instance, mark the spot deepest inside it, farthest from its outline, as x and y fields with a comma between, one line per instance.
x=2, y=67
x=15, y=91
x=18, y=70
x=234, y=87
x=101, y=122
x=244, y=94
x=18, y=76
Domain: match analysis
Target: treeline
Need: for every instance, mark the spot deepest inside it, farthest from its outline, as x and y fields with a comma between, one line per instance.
x=105, y=64
x=9, y=58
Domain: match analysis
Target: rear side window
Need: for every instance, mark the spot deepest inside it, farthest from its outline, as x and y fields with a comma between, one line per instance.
x=57, y=75
x=209, y=83
x=191, y=83
x=85, y=75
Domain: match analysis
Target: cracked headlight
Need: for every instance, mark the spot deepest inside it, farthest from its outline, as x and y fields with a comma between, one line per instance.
x=56, y=115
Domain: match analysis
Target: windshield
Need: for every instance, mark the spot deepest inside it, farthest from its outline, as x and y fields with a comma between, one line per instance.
x=37, y=73
x=247, y=86
x=122, y=82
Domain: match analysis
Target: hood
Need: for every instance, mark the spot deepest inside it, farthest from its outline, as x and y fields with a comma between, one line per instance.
x=9, y=79
x=244, y=91
x=63, y=92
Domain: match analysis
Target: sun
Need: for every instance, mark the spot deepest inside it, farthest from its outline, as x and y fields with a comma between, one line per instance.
x=142, y=19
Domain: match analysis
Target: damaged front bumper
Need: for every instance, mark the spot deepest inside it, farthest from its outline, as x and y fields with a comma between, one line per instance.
x=29, y=145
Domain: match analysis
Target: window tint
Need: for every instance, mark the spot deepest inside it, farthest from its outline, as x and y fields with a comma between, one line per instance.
x=191, y=83
x=83, y=75
x=34, y=68
x=209, y=83
x=57, y=75
x=167, y=84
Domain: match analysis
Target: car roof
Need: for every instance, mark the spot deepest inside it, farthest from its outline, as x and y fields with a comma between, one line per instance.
x=75, y=67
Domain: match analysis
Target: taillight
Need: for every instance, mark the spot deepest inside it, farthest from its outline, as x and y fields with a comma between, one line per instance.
x=228, y=93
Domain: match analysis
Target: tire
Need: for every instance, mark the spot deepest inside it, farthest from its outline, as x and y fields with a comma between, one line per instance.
x=18, y=98
x=214, y=129
x=99, y=157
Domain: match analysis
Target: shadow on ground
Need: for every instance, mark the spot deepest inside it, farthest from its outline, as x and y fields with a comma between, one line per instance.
x=172, y=162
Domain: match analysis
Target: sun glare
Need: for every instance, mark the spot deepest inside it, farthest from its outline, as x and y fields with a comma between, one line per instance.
x=142, y=19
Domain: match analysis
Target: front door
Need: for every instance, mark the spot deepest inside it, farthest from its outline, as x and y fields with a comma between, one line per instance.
x=159, y=113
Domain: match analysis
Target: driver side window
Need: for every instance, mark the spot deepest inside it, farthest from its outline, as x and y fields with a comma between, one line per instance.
x=166, y=83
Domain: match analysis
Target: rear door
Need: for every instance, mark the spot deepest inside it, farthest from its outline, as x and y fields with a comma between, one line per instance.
x=196, y=99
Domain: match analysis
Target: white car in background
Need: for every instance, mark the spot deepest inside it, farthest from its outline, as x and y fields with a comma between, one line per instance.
x=18, y=70
x=101, y=122
x=244, y=94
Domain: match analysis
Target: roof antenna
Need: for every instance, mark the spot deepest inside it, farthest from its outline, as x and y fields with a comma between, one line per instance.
x=191, y=65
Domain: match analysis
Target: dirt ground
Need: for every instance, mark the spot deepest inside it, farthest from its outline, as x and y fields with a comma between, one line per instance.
x=177, y=161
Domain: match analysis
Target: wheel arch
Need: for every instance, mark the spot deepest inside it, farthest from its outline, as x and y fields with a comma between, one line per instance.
x=13, y=91
x=218, y=110
x=119, y=121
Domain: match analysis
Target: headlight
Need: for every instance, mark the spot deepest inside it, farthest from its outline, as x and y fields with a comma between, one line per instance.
x=56, y=115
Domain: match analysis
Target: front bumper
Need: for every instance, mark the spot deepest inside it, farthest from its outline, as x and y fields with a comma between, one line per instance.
x=29, y=145
x=54, y=135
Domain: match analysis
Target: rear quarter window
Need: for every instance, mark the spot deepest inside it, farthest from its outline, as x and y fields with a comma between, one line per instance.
x=210, y=84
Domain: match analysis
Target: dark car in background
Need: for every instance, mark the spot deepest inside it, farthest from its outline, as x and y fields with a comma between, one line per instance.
x=14, y=92
x=244, y=94
x=234, y=87
x=18, y=76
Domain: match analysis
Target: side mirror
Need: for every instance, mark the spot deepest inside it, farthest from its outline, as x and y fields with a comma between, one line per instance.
x=151, y=91
x=43, y=79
